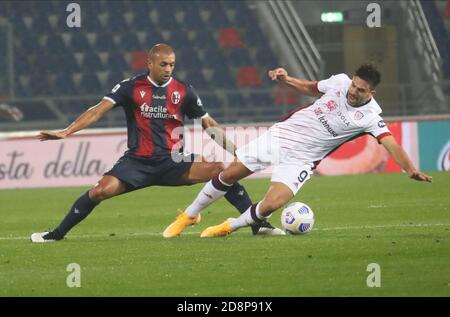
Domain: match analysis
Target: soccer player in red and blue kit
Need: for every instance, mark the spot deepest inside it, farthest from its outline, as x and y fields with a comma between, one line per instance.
x=155, y=104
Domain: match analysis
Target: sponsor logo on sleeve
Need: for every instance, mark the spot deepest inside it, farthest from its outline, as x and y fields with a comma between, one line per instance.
x=381, y=124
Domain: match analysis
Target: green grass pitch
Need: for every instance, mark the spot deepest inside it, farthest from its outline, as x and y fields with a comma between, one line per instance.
x=400, y=224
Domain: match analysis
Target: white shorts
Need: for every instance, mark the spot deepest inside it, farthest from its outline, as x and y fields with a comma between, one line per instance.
x=264, y=151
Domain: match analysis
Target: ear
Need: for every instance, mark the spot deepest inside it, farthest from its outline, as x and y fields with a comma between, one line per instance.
x=373, y=92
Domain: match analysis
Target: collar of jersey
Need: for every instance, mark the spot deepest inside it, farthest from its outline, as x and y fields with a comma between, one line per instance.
x=155, y=84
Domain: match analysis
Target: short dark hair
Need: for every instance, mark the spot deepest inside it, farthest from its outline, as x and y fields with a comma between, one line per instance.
x=369, y=73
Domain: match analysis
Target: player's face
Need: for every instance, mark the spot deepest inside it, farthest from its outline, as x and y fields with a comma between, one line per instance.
x=359, y=92
x=161, y=67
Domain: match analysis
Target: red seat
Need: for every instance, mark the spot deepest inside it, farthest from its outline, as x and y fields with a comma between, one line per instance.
x=248, y=76
x=447, y=10
x=230, y=37
x=139, y=60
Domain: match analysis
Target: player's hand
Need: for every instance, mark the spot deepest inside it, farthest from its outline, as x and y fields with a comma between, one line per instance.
x=419, y=176
x=51, y=135
x=278, y=74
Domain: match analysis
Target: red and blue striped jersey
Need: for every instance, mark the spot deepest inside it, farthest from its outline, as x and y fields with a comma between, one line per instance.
x=155, y=113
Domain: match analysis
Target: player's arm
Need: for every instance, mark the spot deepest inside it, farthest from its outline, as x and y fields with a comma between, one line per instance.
x=217, y=133
x=305, y=87
x=402, y=159
x=87, y=118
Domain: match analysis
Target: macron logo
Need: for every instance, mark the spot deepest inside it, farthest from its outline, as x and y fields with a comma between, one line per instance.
x=142, y=93
x=76, y=211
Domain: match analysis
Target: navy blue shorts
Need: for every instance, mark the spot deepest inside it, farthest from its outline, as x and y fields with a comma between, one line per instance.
x=142, y=172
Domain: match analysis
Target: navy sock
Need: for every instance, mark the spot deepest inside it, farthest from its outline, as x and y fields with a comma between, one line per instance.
x=80, y=210
x=238, y=197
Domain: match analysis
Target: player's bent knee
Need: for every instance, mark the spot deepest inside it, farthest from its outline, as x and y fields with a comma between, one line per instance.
x=215, y=169
x=99, y=193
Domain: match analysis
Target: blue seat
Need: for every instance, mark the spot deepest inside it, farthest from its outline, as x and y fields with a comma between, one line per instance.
x=91, y=62
x=39, y=84
x=179, y=39
x=217, y=16
x=34, y=110
x=105, y=43
x=204, y=38
x=62, y=85
x=195, y=78
x=235, y=100
x=117, y=63
x=90, y=22
x=214, y=57
x=187, y=58
x=239, y=56
x=192, y=20
x=117, y=23
x=90, y=84
x=79, y=42
x=153, y=37
x=222, y=78
x=265, y=58
x=114, y=77
x=129, y=42
x=55, y=43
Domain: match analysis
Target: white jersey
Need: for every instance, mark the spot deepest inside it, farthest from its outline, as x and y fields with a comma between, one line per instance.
x=311, y=133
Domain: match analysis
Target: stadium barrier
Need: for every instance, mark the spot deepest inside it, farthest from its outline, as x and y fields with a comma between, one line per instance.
x=83, y=158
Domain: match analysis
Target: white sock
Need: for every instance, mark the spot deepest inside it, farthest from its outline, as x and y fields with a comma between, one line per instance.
x=206, y=197
x=246, y=219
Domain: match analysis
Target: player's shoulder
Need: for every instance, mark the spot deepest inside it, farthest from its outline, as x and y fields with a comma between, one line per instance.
x=335, y=82
x=368, y=115
x=177, y=81
x=341, y=78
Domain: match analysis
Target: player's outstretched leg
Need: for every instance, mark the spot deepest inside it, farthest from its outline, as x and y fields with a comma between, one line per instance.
x=80, y=210
x=107, y=187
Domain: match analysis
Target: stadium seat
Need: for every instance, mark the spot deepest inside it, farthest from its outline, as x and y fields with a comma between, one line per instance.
x=197, y=79
x=153, y=37
x=205, y=39
x=222, y=78
x=239, y=56
x=129, y=42
x=91, y=61
x=34, y=110
x=55, y=43
x=116, y=62
x=230, y=37
x=248, y=76
x=90, y=85
x=139, y=60
x=217, y=15
x=79, y=42
x=213, y=58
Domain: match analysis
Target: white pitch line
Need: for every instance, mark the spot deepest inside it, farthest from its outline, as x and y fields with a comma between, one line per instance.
x=131, y=235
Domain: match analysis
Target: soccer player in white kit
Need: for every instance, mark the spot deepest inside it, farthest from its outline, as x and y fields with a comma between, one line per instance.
x=344, y=110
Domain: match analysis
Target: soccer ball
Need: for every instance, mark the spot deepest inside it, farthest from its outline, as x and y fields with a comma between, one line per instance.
x=297, y=218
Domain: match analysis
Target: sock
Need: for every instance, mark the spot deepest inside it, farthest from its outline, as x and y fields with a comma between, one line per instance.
x=80, y=210
x=238, y=197
x=250, y=217
x=213, y=190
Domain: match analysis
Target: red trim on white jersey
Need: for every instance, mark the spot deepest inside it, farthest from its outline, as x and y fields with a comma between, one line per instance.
x=382, y=135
